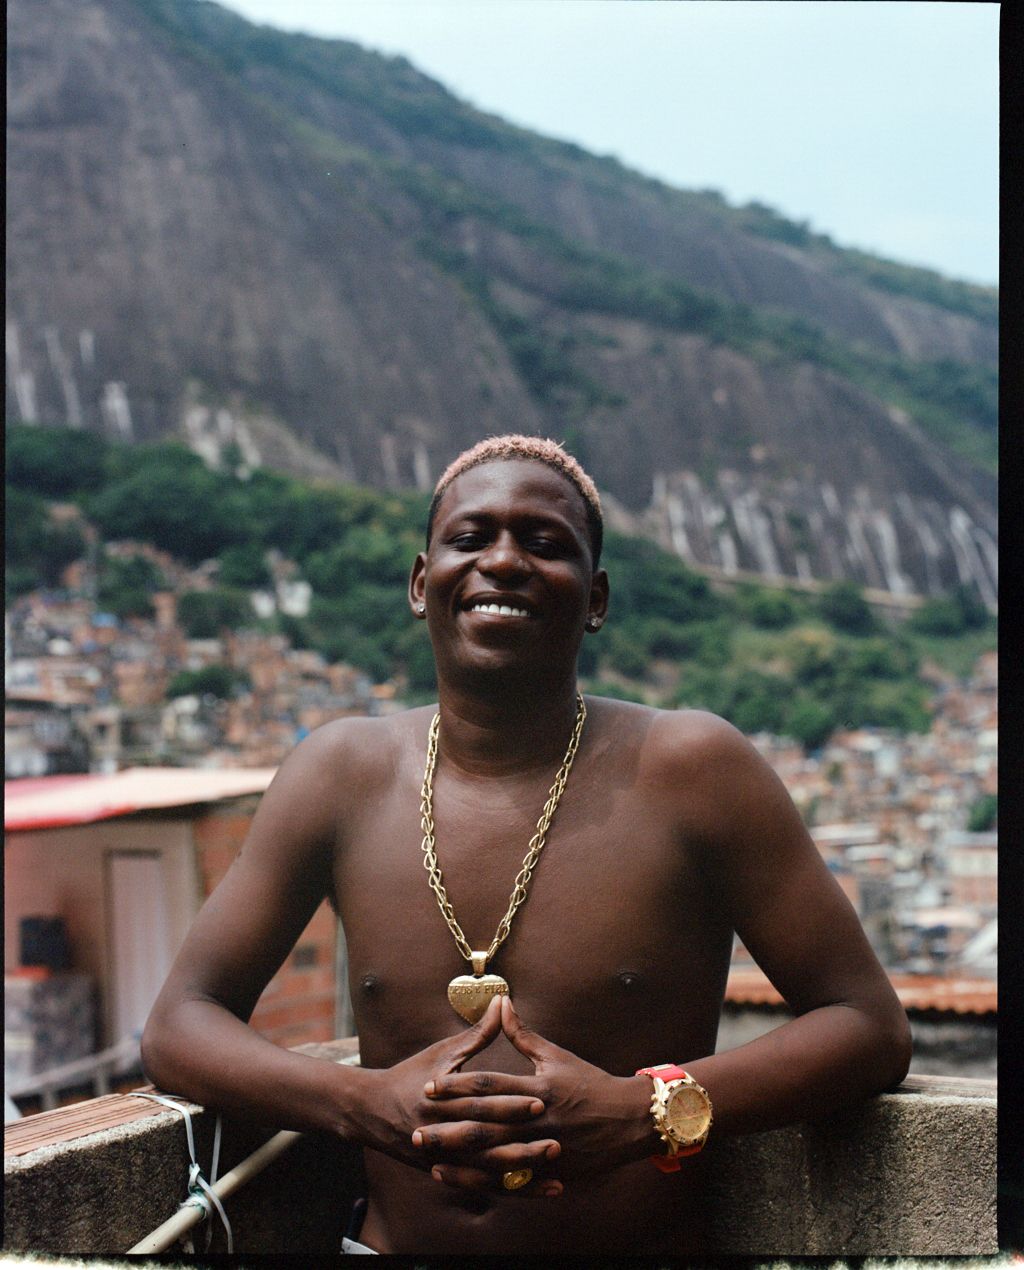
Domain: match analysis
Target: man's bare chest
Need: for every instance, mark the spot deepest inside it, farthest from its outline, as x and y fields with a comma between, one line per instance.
x=617, y=901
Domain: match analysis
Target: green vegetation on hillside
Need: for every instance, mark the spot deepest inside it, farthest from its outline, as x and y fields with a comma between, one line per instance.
x=765, y=659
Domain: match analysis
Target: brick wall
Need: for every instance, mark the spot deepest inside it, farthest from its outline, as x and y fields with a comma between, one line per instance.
x=297, y=1006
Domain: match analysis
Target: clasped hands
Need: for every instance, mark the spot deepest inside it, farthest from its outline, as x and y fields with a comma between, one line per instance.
x=566, y=1119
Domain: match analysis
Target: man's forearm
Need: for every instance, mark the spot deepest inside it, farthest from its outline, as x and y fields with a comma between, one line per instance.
x=203, y=1052
x=821, y=1062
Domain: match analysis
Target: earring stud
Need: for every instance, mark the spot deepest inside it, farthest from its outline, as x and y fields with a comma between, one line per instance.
x=421, y=609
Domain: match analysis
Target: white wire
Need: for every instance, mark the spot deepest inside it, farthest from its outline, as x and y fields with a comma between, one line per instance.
x=197, y=1184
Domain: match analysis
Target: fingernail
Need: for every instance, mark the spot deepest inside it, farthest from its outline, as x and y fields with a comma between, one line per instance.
x=536, y=1108
x=436, y=1174
x=551, y=1189
x=430, y=1089
x=552, y=1151
x=417, y=1139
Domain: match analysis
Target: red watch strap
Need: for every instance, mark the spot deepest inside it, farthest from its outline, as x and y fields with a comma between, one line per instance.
x=668, y=1163
x=667, y=1071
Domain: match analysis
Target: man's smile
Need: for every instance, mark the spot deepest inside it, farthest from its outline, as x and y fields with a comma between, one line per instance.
x=498, y=610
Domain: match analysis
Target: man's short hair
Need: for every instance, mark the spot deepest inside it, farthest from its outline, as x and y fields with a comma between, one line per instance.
x=543, y=450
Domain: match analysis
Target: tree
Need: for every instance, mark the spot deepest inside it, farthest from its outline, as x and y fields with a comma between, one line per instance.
x=771, y=610
x=810, y=722
x=217, y=680
x=953, y=614
x=126, y=585
x=983, y=814
x=758, y=701
x=204, y=614
x=843, y=605
x=36, y=548
x=55, y=462
x=244, y=566
x=892, y=658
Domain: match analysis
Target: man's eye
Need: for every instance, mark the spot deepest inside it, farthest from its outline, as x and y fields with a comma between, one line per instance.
x=544, y=547
x=467, y=542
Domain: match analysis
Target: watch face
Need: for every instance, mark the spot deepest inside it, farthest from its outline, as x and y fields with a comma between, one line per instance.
x=688, y=1115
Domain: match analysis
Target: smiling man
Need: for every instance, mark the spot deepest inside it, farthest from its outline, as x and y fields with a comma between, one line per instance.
x=539, y=895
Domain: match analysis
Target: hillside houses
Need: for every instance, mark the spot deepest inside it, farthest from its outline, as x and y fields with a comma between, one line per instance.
x=889, y=811
x=89, y=692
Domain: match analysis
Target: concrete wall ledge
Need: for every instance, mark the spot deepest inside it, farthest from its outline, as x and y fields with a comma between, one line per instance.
x=909, y=1173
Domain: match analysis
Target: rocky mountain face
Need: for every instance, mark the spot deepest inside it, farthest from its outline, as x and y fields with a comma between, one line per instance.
x=226, y=233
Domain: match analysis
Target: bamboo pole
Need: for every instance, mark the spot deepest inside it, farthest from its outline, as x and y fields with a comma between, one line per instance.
x=190, y=1215
x=185, y=1218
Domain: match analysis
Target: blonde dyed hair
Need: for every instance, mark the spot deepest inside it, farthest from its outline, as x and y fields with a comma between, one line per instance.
x=515, y=445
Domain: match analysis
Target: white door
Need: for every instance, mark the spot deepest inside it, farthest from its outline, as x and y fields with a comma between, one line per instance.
x=141, y=948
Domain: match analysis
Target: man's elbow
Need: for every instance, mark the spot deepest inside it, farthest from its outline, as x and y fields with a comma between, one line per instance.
x=894, y=1049
x=154, y=1051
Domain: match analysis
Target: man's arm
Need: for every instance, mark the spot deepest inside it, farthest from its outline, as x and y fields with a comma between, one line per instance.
x=197, y=1041
x=850, y=1038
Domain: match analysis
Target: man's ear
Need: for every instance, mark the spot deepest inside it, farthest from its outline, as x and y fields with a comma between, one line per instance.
x=416, y=586
x=598, y=607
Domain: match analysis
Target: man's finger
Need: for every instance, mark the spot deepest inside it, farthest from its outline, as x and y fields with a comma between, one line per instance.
x=482, y=1085
x=473, y=1039
x=506, y=1108
x=520, y=1155
x=468, y=1178
x=532, y=1044
x=463, y=1137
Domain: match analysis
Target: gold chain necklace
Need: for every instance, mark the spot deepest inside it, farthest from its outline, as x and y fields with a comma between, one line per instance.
x=470, y=995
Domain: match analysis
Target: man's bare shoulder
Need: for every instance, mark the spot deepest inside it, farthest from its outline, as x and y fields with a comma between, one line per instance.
x=693, y=765
x=676, y=738
x=361, y=743
x=337, y=767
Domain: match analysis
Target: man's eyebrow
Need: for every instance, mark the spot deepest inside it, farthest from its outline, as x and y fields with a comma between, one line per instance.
x=529, y=520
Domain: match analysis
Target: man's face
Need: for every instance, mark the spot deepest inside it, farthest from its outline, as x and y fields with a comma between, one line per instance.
x=507, y=578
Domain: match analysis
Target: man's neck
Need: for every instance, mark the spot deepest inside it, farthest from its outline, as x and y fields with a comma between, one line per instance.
x=499, y=734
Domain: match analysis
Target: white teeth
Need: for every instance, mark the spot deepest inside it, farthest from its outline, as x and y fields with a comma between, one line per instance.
x=499, y=610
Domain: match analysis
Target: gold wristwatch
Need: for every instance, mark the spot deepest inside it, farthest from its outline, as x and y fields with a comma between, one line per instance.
x=682, y=1114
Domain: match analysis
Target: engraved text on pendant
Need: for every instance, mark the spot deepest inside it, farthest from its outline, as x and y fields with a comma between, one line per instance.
x=470, y=995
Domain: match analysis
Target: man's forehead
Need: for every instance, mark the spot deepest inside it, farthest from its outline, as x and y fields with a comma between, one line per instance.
x=501, y=481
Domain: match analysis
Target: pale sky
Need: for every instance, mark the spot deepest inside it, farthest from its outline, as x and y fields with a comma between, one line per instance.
x=874, y=120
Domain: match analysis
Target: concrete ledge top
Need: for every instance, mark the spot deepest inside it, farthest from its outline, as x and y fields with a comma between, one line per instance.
x=69, y=1126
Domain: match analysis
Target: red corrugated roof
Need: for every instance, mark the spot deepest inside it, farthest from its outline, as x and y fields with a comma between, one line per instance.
x=50, y=802
x=749, y=986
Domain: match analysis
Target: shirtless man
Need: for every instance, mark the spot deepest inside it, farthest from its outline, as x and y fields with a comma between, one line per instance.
x=671, y=834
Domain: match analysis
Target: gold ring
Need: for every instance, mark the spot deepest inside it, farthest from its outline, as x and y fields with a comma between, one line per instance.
x=516, y=1178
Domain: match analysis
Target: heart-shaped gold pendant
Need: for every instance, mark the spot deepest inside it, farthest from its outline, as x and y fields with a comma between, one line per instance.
x=470, y=995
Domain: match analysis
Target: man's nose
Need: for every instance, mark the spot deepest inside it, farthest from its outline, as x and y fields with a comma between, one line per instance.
x=503, y=557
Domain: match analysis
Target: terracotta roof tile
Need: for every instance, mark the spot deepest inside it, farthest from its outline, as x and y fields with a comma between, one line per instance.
x=750, y=986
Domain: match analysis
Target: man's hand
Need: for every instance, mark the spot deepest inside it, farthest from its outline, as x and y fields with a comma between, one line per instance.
x=396, y=1116
x=597, y=1121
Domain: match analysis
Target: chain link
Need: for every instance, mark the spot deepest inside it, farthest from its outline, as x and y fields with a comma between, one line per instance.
x=536, y=842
